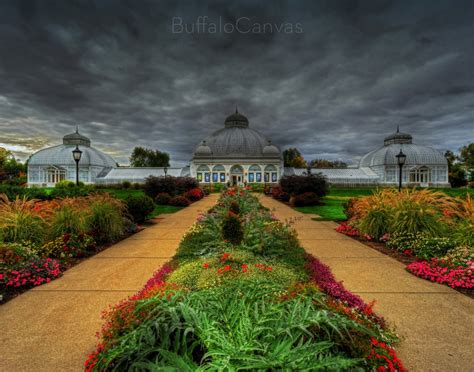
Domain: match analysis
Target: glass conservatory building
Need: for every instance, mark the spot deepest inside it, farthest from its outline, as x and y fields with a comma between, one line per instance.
x=54, y=164
x=424, y=166
x=238, y=154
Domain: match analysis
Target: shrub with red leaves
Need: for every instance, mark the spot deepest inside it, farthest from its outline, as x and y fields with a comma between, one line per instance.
x=194, y=194
x=179, y=201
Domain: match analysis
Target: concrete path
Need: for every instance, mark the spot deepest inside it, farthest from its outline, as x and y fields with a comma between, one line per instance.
x=436, y=322
x=53, y=327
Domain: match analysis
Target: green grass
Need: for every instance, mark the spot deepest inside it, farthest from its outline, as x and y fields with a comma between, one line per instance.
x=331, y=210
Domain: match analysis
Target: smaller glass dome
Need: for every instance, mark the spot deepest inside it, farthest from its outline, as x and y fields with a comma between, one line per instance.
x=203, y=150
x=270, y=149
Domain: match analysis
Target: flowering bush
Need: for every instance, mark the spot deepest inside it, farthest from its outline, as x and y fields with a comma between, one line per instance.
x=32, y=273
x=163, y=198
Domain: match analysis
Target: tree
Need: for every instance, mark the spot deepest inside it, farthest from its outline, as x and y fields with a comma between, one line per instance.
x=467, y=156
x=293, y=158
x=143, y=157
x=323, y=163
x=456, y=173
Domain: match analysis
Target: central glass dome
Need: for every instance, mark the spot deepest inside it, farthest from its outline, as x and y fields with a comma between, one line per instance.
x=236, y=140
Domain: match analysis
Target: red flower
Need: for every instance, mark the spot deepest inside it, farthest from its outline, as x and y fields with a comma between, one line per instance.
x=244, y=268
x=206, y=265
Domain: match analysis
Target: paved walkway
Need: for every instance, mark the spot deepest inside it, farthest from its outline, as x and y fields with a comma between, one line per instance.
x=53, y=327
x=436, y=322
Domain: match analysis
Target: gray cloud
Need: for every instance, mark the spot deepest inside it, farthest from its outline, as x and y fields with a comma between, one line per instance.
x=357, y=71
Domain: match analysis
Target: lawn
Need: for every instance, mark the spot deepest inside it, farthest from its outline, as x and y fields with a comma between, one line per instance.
x=331, y=210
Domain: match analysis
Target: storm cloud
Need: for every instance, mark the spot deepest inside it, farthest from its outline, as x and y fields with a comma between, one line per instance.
x=334, y=90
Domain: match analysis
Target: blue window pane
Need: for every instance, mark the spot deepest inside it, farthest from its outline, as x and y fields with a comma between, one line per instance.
x=251, y=177
x=222, y=177
x=259, y=177
x=215, y=177
x=274, y=177
x=207, y=177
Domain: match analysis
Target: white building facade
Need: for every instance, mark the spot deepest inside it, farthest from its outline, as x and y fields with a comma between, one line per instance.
x=237, y=154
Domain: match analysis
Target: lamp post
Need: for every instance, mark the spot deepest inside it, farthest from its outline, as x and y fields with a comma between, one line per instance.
x=165, y=169
x=401, y=157
x=76, y=154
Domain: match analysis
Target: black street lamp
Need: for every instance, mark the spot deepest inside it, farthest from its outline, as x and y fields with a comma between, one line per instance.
x=165, y=169
x=401, y=157
x=76, y=153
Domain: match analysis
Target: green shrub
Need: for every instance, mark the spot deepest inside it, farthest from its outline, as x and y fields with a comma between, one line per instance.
x=126, y=184
x=106, y=222
x=232, y=230
x=139, y=207
x=70, y=192
x=65, y=184
x=163, y=198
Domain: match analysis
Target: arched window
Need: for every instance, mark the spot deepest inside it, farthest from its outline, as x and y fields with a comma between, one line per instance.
x=271, y=173
x=218, y=173
x=420, y=175
x=203, y=174
x=254, y=174
x=56, y=174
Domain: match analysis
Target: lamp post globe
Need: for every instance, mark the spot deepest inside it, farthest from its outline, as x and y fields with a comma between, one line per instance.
x=77, y=154
x=401, y=157
x=165, y=169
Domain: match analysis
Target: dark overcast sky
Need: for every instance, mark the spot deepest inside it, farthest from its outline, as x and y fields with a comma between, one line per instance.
x=356, y=71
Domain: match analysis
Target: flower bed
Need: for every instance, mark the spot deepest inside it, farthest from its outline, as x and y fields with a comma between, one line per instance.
x=436, y=230
x=243, y=297
x=41, y=239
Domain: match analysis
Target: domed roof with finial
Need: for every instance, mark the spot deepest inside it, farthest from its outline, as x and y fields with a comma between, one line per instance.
x=76, y=139
x=236, y=120
x=236, y=140
x=61, y=155
x=398, y=137
x=415, y=154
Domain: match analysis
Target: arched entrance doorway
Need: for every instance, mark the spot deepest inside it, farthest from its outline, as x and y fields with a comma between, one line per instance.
x=236, y=175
